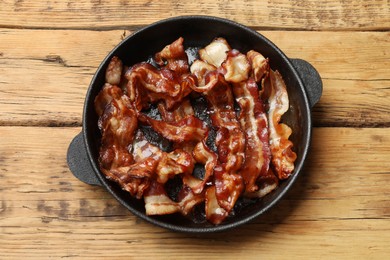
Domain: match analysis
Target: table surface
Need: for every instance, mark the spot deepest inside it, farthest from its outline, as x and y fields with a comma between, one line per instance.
x=339, y=207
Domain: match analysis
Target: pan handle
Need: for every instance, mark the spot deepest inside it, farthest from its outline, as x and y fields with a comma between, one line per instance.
x=79, y=163
x=311, y=79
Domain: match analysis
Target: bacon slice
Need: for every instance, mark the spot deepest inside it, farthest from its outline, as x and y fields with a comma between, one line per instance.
x=183, y=110
x=173, y=57
x=202, y=154
x=167, y=164
x=228, y=187
x=118, y=123
x=147, y=84
x=236, y=67
x=157, y=201
x=114, y=71
x=283, y=157
x=105, y=96
x=259, y=64
x=215, y=52
x=188, y=129
x=199, y=69
x=230, y=139
x=253, y=120
x=214, y=213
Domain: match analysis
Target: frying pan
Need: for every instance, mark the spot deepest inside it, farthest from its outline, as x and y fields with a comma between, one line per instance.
x=304, y=88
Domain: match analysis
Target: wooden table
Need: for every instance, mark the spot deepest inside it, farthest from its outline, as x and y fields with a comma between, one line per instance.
x=338, y=209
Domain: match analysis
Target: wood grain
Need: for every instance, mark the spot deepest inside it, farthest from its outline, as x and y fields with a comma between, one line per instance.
x=44, y=81
x=338, y=207
x=279, y=14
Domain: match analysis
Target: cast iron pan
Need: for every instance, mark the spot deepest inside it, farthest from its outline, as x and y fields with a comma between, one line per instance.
x=303, y=84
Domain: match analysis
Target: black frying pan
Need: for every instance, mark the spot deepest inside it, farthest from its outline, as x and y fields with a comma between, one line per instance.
x=303, y=84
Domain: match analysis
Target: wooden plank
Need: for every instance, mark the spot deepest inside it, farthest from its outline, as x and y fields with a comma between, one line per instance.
x=280, y=14
x=60, y=65
x=338, y=208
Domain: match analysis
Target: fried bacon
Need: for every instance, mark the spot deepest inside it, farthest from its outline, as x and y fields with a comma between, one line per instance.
x=236, y=68
x=252, y=117
x=259, y=64
x=253, y=120
x=147, y=84
x=117, y=123
x=157, y=201
x=187, y=129
x=173, y=57
x=252, y=147
x=283, y=157
x=167, y=164
x=114, y=71
x=215, y=53
x=230, y=140
x=202, y=154
x=179, y=112
x=214, y=212
x=108, y=93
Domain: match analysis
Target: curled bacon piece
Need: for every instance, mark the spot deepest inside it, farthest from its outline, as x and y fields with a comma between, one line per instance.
x=108, y=93
x=214, y=212
x=118, y=123
x=215, y=53
x=259, y=64
x=167, y=164
x=157, y=201
x=114, y=71
x=202, y=154
x=230, y=141
x=228, y=187
x=147, y=84
x=188, y=129
x=179, y=112
x=236, y=67
x=281, y=148
x=253, y=120
x=230, y=138
x=173, y=57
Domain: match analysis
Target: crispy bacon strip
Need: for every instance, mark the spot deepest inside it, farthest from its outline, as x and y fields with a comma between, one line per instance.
x=215, y=52
x=230, y=138
x=228, y=187
x=118, y=123
x=157, y=202
x=167, y=164
x=253, y=120
x=147, y=84
x=236, y=67
x=202, y=154
x=199, y=69
x=183, y=110
x=114, y=71
x=214, y=212
x=259, y=64
x=108, y=93
x=173, y=57
x=188, y=129
x=283, y=157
